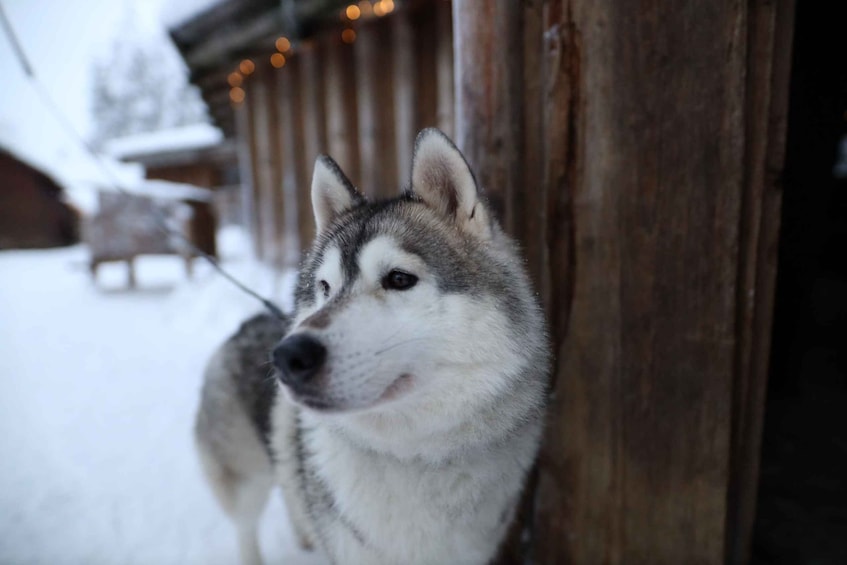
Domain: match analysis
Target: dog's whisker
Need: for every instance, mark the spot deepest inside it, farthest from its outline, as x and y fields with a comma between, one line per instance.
x=271, y=376
x=398, y=344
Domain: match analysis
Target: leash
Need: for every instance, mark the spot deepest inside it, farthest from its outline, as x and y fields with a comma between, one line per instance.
x=161, y=221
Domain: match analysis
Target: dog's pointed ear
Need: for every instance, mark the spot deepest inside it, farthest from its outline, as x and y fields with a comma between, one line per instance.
x=332, y=192
x=443, y=180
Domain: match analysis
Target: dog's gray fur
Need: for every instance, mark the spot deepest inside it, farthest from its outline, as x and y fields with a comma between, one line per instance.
x=411, y=445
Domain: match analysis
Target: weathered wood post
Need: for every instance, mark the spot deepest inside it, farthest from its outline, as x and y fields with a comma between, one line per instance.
x=633, y=152
x=488, y=94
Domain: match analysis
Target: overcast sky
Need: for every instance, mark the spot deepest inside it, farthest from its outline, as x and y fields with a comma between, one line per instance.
x=62, y=39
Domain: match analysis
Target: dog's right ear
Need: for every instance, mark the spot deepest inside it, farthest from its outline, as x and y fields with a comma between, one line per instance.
x=332, y=192
x=443, y=180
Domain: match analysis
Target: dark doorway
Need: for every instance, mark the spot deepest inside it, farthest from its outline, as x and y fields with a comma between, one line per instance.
x=802, y=506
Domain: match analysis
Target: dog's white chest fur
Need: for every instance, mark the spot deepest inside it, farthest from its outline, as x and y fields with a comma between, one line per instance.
x=388, y=510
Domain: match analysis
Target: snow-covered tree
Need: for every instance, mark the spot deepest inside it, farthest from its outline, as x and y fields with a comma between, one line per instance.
x=142, y=85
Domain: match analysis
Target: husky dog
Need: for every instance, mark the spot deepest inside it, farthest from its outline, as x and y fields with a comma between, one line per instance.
x=411, y=380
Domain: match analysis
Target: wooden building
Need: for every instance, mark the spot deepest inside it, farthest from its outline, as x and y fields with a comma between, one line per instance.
x=635, y=150
x=33, y=213
x=194, y=155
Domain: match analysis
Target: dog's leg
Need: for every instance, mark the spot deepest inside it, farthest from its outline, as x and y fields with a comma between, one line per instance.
x=251, y=497
x=242, y=497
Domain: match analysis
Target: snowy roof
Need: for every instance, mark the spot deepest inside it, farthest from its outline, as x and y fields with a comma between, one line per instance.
x=82, y=179
x=79, y=173
x=196, y=136
x=163, y=190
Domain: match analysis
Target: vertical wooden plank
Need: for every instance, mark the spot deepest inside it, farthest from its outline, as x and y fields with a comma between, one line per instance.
x=541, y=106
x=488, y=96
x=261, y=104
x=552, y=134
x=771, y=28
x=312, y=79
x=444, y=68
x=530, y=221
x=313, y=131
x=378, y=156
x=342, y=106
x=426, y=79
x=405, y=89
x=245, y=171
x=275, y=153
x=415, y=80
x=639, y=453
x=296, y=179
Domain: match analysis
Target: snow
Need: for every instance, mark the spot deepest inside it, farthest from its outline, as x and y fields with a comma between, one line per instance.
x=196, y=136
x=100, y=385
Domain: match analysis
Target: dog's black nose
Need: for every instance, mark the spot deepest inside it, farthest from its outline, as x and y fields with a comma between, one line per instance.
x=298, y=358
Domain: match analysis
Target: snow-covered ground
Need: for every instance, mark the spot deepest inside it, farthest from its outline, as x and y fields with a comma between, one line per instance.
x=98, y=388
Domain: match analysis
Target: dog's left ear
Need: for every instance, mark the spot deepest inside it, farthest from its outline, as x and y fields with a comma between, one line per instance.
x=332, y=192
x=442, y=179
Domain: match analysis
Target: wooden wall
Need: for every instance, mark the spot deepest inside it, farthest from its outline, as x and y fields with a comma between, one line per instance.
x=361, y=103
x=33, y=213
x=635, y=149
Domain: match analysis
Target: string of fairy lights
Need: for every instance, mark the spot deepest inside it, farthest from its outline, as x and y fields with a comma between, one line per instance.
x=350, y=16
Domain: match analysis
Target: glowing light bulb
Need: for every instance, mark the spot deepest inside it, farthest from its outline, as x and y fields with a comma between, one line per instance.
x=247, y=67
x=234, y=79
x=348, y=35
x=353, y=12
x=282, y=44
x=237, y=94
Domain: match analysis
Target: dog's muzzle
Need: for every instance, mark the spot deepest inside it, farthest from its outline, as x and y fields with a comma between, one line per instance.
x=298, y=358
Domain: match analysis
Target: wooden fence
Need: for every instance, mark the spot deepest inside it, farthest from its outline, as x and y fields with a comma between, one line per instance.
x=635, y=150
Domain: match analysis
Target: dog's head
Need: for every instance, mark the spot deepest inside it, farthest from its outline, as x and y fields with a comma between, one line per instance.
x=406, y=300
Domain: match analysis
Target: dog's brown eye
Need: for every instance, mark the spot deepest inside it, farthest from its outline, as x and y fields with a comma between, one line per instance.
x=398, y=280
x=324, y=288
